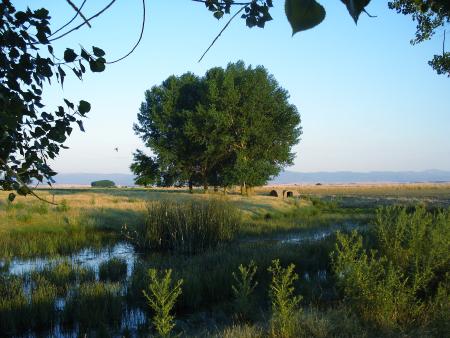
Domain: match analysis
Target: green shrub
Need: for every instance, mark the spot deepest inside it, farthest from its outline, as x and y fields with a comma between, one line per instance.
x=243, y=288
x=284, y=302
x=402, y=282
x=103, y=184
x=161, y=299
x=113, y=270
x=186, y=227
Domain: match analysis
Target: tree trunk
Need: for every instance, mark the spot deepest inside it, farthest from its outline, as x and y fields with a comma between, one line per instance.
x=205, y=186
x=224, y=190
x=243, y=189
x=190, y=187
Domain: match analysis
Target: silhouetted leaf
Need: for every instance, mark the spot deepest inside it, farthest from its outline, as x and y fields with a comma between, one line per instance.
x=218, y=15
x=304, y=14
x=69, y=55
x=80, y=124
x=97, y=65
x=98, y=52
x=355, y=7
x=84, y=107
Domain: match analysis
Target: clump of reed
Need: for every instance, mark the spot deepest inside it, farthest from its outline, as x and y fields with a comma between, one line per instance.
x=94, y=304
x=19, y=311
x=64, y=274
x=113, y=270
x=65, y=241
x=187, y=227
x=14, y=308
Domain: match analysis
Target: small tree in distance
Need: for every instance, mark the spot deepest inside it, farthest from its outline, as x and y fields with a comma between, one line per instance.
x=103, y=184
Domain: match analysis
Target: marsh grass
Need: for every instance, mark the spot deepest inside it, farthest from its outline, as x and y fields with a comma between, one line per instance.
x=42, y=305
x=94, y=218
x=64, y=275
x=208, y=278
x=94, y=304
x=64, y=241
x=30, y=228
x=186, y=227
x=113, y=270
x=302, y=217
x=14, y=309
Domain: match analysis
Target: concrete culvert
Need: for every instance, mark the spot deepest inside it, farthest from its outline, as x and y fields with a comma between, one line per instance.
x=274, y=193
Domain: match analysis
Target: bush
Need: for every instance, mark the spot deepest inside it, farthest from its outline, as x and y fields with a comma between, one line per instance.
x=186, y=227
x=103, y=184
x=403, y=281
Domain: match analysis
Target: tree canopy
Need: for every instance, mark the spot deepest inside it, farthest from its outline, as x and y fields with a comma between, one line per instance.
x=232, y=126
x=29, y=133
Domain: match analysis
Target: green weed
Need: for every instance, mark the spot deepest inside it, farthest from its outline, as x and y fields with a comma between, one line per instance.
x=243, y=289
x=162, y=298
x=284, y=302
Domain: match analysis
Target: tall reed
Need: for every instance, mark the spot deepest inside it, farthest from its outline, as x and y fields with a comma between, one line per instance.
x=186, y=227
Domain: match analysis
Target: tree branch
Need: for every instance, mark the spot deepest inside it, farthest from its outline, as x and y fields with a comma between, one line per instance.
x=70, y=21
x=234, y=3
x=223, y=29
x=79, y=12
x=85, y=22
x=13, y=174
x=138, y=41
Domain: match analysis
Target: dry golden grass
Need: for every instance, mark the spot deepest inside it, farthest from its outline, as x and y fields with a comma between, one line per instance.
x=432, y=190
x=112, y=208
x=107, y=208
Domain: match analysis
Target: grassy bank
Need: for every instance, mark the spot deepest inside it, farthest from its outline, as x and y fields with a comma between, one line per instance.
x=388, y=279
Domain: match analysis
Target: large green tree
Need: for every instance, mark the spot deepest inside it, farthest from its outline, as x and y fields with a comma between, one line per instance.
x=30, y=134
x=233, y=126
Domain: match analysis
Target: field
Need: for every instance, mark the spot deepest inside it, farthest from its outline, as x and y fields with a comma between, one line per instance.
x=79, y=267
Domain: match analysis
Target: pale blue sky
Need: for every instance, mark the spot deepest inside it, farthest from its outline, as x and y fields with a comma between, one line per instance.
x=367, y=98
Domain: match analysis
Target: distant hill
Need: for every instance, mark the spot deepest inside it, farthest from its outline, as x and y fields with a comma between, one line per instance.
x=288, y=177
x=427, y=176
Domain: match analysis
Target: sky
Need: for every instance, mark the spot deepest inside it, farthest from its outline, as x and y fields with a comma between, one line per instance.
x=367, y=98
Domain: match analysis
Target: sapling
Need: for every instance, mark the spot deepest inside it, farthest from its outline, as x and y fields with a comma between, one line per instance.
x=284, y=302
x=162, y=298
x=243, y=288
